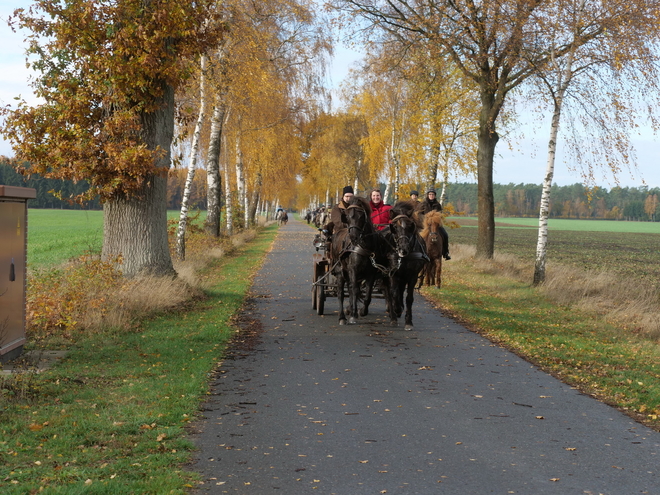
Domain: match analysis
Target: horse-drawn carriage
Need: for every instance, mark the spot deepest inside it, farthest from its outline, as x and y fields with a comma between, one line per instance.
x=363, y=262
x=324, y=282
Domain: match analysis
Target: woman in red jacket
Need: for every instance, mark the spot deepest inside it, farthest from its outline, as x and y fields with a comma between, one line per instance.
x=380, y=212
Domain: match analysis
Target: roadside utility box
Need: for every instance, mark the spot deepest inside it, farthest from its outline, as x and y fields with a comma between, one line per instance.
x=13, y=257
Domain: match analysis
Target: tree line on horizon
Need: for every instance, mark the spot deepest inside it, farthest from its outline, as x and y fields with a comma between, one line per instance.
x=511, y=200
x=573, y=201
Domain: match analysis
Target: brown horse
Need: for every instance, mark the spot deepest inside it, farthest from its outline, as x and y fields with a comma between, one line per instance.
x=432, y=274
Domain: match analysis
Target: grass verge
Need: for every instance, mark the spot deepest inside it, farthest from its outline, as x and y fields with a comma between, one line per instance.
x=578, y=346
x=111, y=418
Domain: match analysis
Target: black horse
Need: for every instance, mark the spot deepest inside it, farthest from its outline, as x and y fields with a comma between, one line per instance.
x=407, y=258
x=355, y=252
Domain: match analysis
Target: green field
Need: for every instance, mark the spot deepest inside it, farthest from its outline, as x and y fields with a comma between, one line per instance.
x=572, y=224
x=621, y=250
x=55, y=236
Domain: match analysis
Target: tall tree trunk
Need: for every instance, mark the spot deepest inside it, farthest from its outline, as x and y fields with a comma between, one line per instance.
x=213, y=180
x=254, y=203
x=228, y=200
x=135, y=228
x=542, y=241
x=240, y=179
x=183, y=217
x=395, y=165
x=544, y=211
x=388, y=186
x=485, y=154
x=445, y=180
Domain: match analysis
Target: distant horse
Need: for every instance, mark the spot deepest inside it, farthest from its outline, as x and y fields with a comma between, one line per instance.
x=320, y=218
x=407, y=246
x=282, y=218
x=352, y=250
x=432, y=274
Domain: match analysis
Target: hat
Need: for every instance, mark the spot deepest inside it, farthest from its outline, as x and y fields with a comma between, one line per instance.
x=348, y=189
x=431, y=190
x=414, y=192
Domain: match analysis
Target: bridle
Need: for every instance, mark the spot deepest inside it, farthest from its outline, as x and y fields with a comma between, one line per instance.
x=401, y=239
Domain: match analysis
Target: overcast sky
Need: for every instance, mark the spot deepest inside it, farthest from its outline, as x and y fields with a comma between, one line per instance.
x=526, y=164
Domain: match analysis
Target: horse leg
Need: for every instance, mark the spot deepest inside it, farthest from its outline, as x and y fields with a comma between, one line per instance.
x=410, y=297
x=389, y=300
x=340, y=296
x=353, y=289
x=399, y=287
x=369, y=282
x=438, y=272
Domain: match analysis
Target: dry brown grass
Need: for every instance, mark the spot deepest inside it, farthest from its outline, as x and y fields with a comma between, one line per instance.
x=138, y=298
x=630, y=304
x=87, y=295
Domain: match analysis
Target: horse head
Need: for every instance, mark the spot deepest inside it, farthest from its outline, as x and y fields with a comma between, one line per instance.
x=404, y=230
x=432, y=224
x=357, y=218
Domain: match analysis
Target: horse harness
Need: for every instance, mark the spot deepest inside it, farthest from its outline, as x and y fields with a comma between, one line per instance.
x=413, y=241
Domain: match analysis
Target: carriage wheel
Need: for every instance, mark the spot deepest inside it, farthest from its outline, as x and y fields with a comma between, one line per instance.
x=320, y=300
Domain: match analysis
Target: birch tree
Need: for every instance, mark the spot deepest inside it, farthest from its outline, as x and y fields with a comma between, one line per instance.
x=618, y=63
x=192, y=165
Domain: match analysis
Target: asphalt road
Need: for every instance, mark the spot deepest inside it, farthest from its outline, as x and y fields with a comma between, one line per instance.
x=307, y=406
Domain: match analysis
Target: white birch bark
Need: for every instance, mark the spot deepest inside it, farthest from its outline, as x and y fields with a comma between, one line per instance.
x=387, y=190
x=228, y=199
x=213, y=182
x=544, y=211
x=240, y=172
x=183, y=217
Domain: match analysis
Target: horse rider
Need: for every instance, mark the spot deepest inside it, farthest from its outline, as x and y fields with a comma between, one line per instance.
x=414, y=196
x=380, y=212
x=336, y=222
x=430, y=203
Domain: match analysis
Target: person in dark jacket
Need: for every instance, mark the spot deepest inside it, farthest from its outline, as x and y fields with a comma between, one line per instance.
x=430, y=203
x=335, y=222
x=335, y=214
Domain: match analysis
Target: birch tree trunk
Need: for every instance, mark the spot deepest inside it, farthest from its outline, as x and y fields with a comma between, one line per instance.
x=228, y=200
x=213, y=181
x=542, y=240
x=240, y=179
x=387, y=190
x=183, y=217
x=445, y=180
x=253, y=206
